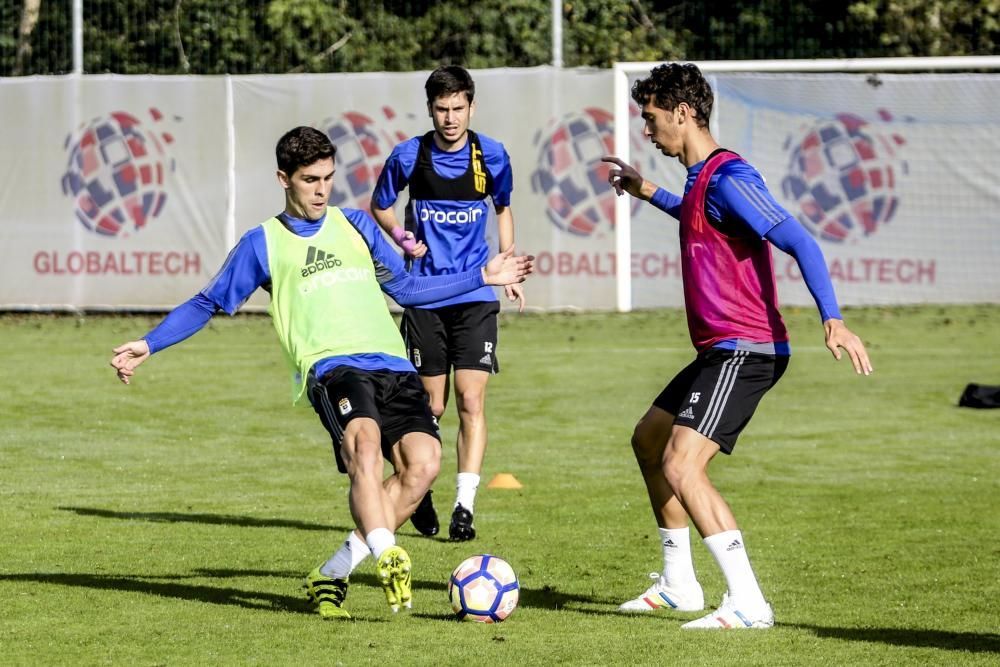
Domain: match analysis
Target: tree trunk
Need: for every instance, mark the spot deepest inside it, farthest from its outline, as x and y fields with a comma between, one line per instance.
x=29, y=19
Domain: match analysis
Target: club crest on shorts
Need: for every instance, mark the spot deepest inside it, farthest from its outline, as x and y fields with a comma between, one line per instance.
x=344, y=405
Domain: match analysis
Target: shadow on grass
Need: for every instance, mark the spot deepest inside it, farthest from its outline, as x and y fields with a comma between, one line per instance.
x=549, y=597
x=169, y=586
x=212, y=594
x=973, y=642
x=215, y=519
x=222, y=595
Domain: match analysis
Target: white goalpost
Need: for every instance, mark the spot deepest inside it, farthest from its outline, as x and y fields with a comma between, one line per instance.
x=626, y=72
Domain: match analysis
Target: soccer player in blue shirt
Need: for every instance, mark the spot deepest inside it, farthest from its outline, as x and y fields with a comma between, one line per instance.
x=451, y=173
x=728, y=221
x=326, y=269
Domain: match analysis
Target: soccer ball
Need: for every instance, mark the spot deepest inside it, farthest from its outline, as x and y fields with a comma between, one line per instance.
x=483, y=589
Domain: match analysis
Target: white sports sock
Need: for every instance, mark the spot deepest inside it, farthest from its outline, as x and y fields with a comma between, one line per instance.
x=466, y=485
x=379, y=540
x=347, y=558
x=678, y=567
x=729, y=552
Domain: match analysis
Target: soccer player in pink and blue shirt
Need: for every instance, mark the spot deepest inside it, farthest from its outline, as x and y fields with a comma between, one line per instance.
x=728, y=222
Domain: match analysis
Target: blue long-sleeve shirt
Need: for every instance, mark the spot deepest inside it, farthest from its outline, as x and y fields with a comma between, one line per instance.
x=246, y=268
x=454, y=230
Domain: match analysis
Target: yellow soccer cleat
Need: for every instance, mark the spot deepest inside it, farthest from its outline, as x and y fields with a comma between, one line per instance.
x=393, y=571
x=327, y=593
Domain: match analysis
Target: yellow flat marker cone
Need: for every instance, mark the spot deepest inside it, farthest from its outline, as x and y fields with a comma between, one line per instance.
x=504, y=480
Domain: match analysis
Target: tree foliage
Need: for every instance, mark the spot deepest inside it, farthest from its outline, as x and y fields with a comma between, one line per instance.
x=258, y=36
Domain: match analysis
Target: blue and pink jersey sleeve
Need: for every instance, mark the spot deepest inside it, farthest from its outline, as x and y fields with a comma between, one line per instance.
x=737, y=193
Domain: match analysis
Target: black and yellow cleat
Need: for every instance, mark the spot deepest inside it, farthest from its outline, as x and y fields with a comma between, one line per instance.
x=328, y=594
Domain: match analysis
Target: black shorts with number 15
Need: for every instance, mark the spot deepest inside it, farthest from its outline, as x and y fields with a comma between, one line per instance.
x=717, y=393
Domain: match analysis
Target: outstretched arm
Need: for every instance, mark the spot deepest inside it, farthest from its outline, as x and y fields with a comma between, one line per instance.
x=408, y=290
x=244, y=270
x=790, y=237
x=180, y=323
x=623, y=177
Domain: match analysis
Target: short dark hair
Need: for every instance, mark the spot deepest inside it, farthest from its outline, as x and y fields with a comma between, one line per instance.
x=448, y=80
x=670, y=84
x=300, y=147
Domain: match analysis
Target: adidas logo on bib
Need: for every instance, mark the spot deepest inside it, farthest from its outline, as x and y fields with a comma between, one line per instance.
x=318, y=260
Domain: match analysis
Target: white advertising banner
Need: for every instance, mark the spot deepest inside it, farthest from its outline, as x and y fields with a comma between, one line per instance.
x=555, y=125
x=127, y=192
x=113, y=191
x=896, y=176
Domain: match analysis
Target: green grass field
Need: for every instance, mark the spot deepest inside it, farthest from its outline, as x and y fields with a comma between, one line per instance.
x=171, y=522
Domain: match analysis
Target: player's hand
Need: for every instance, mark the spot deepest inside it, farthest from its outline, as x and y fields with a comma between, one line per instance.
x=623, y=178
x=408, y=242
x=418, y=249
x=515, y=293
x=839, y=336
x=507, y=269
x=127, y=357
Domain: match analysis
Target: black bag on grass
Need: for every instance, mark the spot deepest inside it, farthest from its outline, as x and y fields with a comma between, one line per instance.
x=980, y=396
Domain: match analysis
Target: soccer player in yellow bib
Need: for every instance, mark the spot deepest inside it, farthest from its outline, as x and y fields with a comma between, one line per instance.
x=326, y=269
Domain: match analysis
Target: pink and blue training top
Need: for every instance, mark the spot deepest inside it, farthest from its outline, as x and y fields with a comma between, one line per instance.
x=728, y=218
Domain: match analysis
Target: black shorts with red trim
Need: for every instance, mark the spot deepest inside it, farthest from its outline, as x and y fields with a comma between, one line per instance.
x=717, y=393
x=396, y=401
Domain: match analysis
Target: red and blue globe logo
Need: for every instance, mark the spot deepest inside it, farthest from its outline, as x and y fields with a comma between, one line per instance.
x=363, y=144
x=843, y=175
x=116, y=172
x=571, y=175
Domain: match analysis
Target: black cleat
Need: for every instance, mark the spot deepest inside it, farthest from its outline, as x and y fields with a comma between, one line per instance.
x=424, y=518
x=461, y=528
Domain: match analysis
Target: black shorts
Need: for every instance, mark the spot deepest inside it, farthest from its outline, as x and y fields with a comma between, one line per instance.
x=396, y=401
x=460, y=336
x=718, y=392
